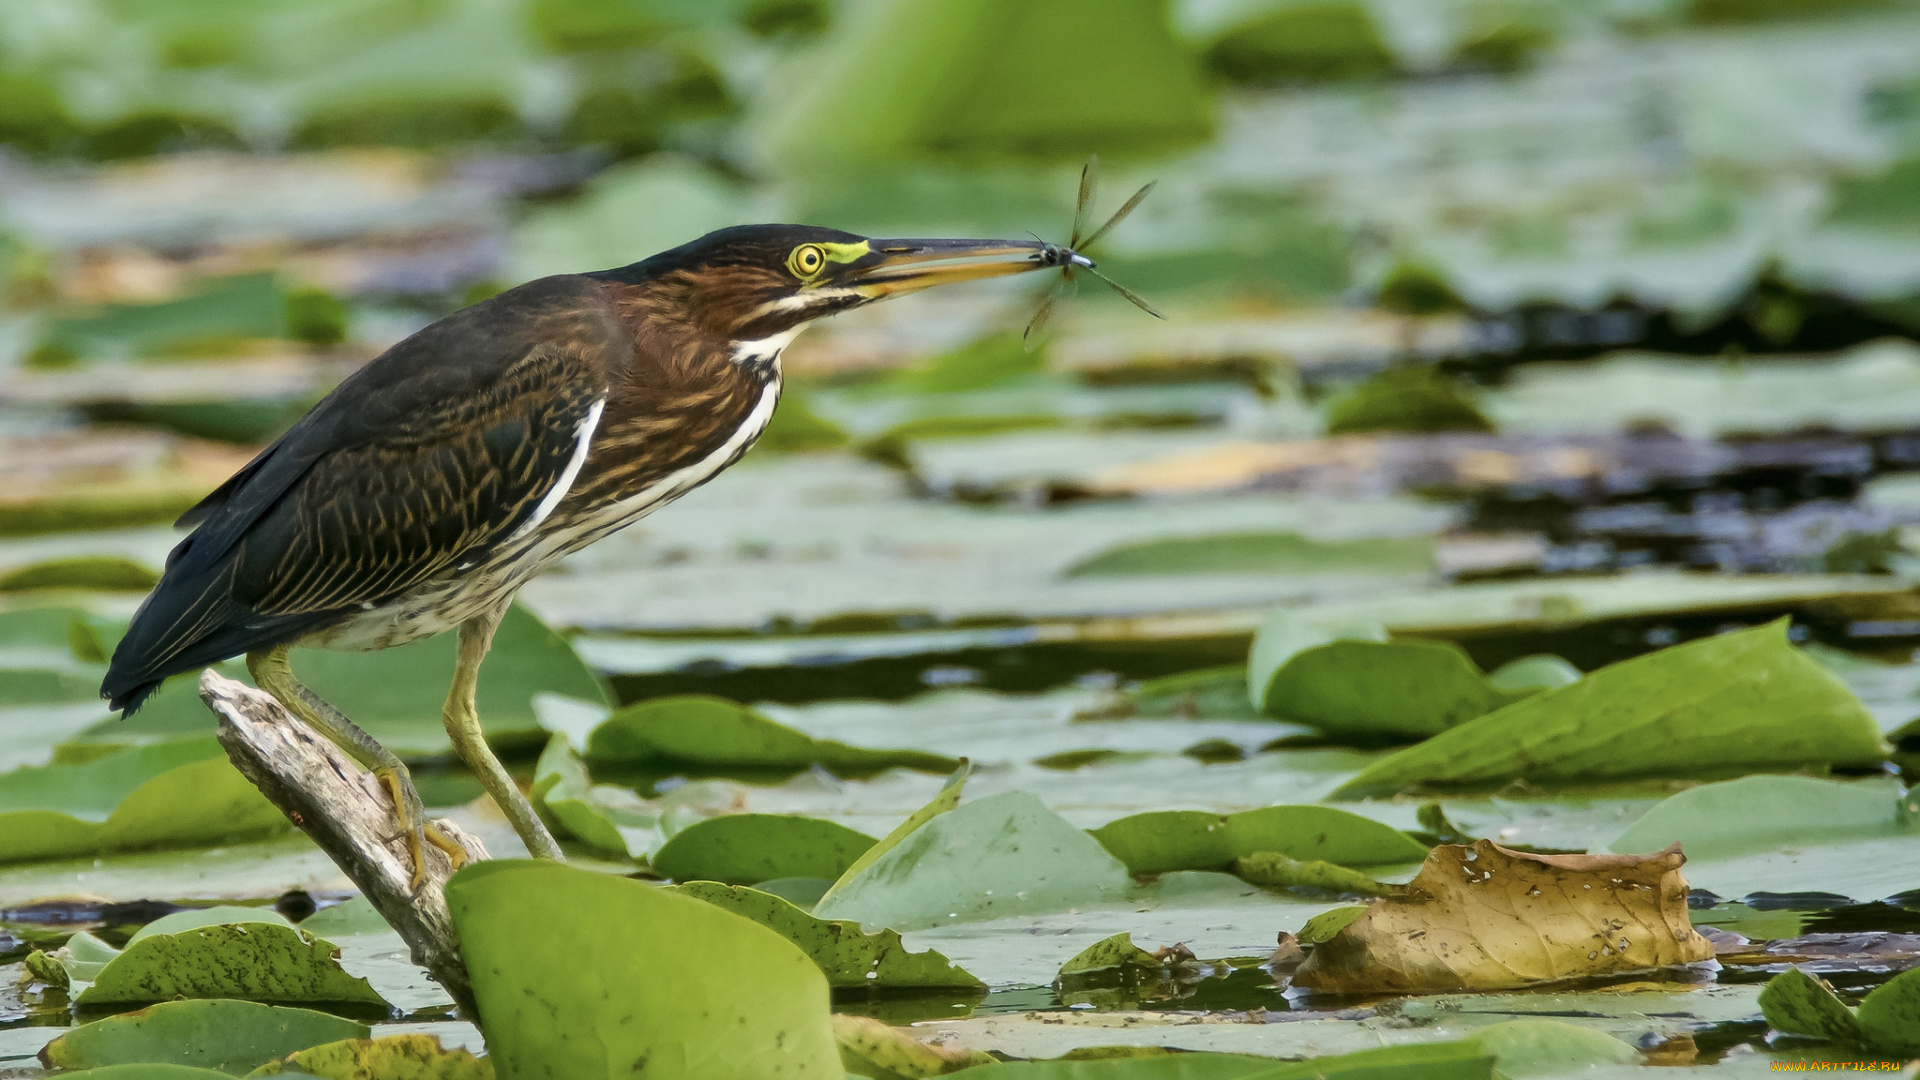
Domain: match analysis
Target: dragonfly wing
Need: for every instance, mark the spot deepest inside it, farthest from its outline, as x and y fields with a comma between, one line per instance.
x=1083, y=209
x=1118, y=216
x=1132, y=297
x=1061, y=291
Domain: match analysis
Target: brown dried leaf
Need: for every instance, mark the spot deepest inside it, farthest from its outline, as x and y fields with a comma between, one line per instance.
x=1486, y=917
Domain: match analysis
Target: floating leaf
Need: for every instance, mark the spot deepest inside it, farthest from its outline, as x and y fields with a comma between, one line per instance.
x=1801, y=1004
x=1258, y=553
x=251, y=961
x=148, y=1073
x=1163, y=840
x=1484, y=917
x=875, y=1049
x=1353, y=683
x=943, y=802
x=1328, y=923
x=1272, y=870
x=1111, y=953
x=1756, y=813
x=1890, y=1015
x=1540, y=672
x=1005, y=854
x=583, y=975
x=397, y=694
x=1160, y=1067
x=104, y=572
x=695, y=729
x=171, y=794
x=1208, y=694
x=1530, y=1048
x=744, y=849
x=1415, y=397
x=1887, y=1021
x=606, y=817
x=391, y=1057
x=231, y=1036
x=849, y=957
x=1739, y=701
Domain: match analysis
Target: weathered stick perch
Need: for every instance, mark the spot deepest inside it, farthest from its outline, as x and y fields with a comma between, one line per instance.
x=346, y=811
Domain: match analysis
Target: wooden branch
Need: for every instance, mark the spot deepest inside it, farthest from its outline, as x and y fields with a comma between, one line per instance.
x=347, y=812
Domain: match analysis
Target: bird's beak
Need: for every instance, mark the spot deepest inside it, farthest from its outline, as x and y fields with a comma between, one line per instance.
x=892, y=267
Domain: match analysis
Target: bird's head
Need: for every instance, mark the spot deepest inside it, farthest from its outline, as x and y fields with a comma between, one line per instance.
x=754, y=284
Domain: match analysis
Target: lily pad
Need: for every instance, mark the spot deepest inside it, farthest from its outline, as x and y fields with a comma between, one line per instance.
x=584, y=975
x=173, y=794
x=391, y=1057
x=1887, y=1021
x=1484, y=917
x=397, y=694
x=943, y=802
x=849, y=957
x=695, y=729
x=231, y=1036
x=1741, y=701
x=875, y=1049
x=1258, y=553
x=744, y=849
x=1208, y=694
x=1006, y=854
x=147, y=1072
x=103, y=572
x=251, y=961
x=1108, y=954
x=1411, y=398
x=606, y=817
x=1160, y=1067
x=1355, y=684
x=1159, y=841
x=1756, y=813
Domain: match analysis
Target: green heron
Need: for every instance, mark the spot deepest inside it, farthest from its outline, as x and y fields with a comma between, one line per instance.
x=429, y=486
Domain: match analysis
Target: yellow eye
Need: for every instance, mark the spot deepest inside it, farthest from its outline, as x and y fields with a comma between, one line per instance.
x=806, y=260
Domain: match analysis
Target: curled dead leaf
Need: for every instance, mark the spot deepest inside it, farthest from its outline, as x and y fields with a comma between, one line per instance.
x=1487, y=917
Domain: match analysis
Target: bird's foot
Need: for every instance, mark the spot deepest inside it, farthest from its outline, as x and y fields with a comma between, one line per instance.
x=411, y=816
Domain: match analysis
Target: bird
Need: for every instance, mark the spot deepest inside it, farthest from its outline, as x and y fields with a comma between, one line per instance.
x=420, y=494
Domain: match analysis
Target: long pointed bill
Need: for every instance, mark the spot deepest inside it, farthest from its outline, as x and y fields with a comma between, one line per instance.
x=893, y=267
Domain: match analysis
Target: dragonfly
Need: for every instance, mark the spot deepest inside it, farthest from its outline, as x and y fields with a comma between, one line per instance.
x=1069, y=257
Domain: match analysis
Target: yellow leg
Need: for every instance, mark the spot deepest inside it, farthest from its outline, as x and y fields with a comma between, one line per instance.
x=462, y=719
x=272, y=673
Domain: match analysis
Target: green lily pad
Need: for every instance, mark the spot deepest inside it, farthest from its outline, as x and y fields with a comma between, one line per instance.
x=941, y=82
x=255, y=961
x=1107, y=954
x=606, y=817
x=1272, y=870
x=1541, y=672
x=173, y=794
x=231, y=1036
x=944, y=802
x=218, y=915
x=1740, y=701
x=1801, y=1004
x=146, y=1073
x=1528, y=1048
x=1756, y=813
x=1412, y=398
x=236, y=308
x=390, y=1057
x=1258, y=553
x=103, y=572
x=1208, y=694
x=1328, y=923
x=1355, y=684
x=1160, y=1067
x=1890, y=1015
x=744, y=849
x=397, y=694
x=1163, y=840
x=584, y=975
x=1006, y=854
x=849, y=957
x=695, y=729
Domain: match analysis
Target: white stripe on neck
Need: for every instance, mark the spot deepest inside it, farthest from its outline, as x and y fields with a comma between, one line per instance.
x=765, y=349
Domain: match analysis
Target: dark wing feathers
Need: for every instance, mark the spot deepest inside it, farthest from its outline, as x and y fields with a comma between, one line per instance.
x=424, y=458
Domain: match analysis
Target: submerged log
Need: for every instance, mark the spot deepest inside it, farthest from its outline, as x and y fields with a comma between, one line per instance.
x=350, y=815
